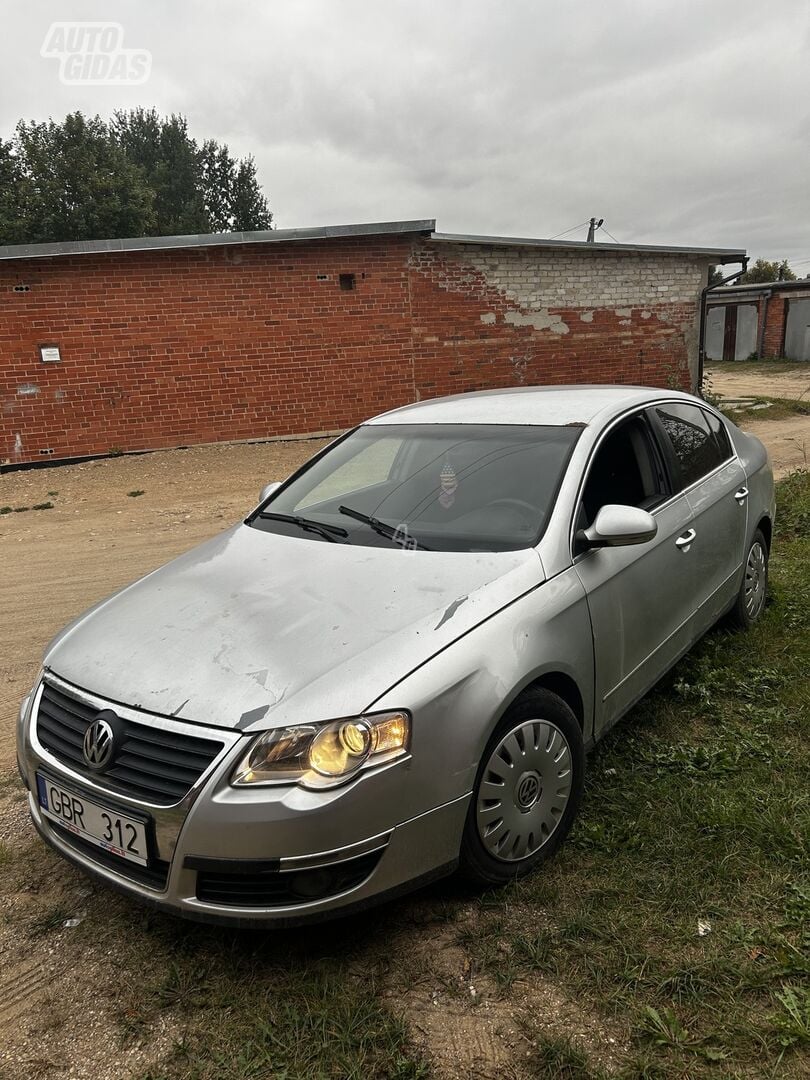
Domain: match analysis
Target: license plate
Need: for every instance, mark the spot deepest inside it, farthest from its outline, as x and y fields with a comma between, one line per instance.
x=106, y=828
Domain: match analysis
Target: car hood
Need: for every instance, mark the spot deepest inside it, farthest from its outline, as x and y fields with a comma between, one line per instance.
x=254, y=630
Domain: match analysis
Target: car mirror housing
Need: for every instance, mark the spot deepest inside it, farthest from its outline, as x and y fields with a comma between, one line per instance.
x=620, y=526
x=268, y=490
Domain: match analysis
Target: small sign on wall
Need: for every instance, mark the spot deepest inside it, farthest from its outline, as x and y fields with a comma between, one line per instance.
x=49, y=354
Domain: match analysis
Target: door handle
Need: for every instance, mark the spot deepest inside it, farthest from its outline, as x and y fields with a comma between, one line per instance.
x=741, y=495
x=684, y=542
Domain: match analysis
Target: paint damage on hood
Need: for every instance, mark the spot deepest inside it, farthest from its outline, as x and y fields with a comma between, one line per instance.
x=254, y=630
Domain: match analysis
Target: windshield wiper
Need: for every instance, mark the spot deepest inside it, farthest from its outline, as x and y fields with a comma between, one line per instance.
x=381, y=527
x=328, y=532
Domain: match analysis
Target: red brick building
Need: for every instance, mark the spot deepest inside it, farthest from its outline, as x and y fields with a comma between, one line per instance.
x=169, y=341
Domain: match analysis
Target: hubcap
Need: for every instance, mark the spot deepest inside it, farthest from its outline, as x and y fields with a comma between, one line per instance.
x=524, y=790
x=755, y=580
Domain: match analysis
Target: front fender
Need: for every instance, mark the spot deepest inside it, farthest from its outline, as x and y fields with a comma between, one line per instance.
x=460, y=694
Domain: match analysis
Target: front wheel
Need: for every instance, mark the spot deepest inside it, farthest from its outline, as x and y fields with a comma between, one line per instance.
x=527, y=791
x=750, y=600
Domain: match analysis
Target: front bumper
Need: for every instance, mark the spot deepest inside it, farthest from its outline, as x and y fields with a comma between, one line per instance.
x=248, y=857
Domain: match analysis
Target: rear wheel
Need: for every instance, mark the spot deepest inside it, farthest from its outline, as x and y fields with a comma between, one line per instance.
x=527, y=791
x=750, y=600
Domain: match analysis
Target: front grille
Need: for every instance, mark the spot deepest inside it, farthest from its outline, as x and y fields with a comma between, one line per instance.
x=150, y=763
x=283, y=887
x=155, y=875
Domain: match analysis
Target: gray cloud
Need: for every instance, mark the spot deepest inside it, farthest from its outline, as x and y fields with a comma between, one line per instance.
x=676, y=120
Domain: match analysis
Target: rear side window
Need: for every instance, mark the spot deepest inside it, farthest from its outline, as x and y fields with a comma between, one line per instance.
x=696, y=447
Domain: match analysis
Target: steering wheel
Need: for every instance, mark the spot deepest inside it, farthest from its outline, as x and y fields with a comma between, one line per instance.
x=530, y=514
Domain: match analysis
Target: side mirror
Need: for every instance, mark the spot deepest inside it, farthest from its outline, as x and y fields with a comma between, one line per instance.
x=619, y=526
x=268, y=490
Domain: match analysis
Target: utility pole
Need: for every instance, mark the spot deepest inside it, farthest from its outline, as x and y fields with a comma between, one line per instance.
x=592, y=227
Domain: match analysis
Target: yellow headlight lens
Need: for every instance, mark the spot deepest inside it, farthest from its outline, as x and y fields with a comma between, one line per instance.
x=321, y=756
x=341, y=748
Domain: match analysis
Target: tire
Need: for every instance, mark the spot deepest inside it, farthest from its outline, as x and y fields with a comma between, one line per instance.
x=750, y=601
x=530, y=780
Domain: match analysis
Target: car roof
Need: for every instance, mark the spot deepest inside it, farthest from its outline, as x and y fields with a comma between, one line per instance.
x=554, y=406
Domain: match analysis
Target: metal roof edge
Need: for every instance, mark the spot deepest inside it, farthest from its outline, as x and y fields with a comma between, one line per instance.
x=754, y=287
x=718, y=254
x=205, y=240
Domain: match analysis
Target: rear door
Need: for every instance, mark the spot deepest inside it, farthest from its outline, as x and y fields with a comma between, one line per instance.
x=706, y=469
x=641, y=597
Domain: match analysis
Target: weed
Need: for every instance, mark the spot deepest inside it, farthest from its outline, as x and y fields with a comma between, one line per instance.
x=792, y=1022
x=48, y=921
x=560, y=1059
x=135, y=494
x=23, y=509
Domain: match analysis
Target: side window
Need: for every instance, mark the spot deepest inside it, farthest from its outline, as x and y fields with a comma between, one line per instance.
x=696, y=449
x=626, y=470
x=718, y=430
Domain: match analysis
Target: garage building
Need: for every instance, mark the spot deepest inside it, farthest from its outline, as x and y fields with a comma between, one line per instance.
x=158, y=342
x=768, y=319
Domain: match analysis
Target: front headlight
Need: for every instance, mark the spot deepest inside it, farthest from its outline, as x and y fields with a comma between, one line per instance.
x=323, y=755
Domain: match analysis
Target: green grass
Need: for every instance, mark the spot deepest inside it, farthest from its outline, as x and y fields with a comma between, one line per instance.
x=248, y=1013
x=697, y=809
x=768, y=366
x=776, y=409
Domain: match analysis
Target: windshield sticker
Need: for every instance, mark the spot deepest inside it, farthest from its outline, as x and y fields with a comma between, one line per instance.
x=403, y=537
x=448, y=482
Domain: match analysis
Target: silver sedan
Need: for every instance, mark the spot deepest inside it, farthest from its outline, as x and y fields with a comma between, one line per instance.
x=395, y=665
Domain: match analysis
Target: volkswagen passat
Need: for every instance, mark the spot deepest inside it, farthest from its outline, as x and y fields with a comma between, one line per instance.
x=396, y=663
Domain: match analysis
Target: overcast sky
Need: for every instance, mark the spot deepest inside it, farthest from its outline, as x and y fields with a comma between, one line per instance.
x=678, y=121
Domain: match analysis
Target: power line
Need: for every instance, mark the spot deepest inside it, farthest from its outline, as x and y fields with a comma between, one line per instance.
x=610, y=234
x=574, y=228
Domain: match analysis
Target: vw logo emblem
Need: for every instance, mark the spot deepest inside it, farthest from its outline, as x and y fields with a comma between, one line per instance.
x=528, y=790
x=99, y=743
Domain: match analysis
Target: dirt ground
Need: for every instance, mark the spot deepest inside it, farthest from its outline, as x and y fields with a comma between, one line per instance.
x=760, y=380
x=54, y=563
x=788, y=439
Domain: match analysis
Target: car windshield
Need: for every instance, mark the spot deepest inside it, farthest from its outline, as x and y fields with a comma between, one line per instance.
x=443, y=487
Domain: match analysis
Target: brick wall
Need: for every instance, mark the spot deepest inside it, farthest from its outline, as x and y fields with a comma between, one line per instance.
x=773, y=340
x=167, y=348
x=487, y=316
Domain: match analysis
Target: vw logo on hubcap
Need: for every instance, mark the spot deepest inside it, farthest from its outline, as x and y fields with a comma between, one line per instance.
x=99, y=743
x=527, y=791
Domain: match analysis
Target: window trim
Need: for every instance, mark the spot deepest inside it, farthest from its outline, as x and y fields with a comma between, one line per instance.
x=627, y=415
x=636, y=412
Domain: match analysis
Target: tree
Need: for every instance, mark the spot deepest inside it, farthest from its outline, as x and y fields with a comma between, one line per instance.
x=70, y=182
x=715, y=276
x=249, y=209
x=10, y=194
x=138, y=175
x=763, y=271
x=169, y=159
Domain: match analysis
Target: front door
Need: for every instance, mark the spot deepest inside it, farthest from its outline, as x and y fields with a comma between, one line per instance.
x=640, y=597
